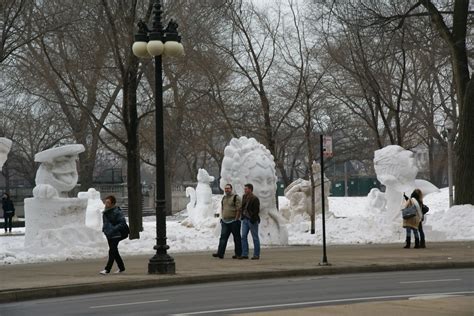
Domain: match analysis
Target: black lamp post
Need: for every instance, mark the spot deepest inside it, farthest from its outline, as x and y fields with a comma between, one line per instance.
x=155, y=43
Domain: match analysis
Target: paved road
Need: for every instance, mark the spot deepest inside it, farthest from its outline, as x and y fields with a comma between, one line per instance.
x=257, y=296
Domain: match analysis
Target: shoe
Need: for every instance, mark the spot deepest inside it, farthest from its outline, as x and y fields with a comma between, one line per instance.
x=236, y=257
x=119, y=271
x=255, y=257
x=104, y=272
x=244, y=257
x=216, y=255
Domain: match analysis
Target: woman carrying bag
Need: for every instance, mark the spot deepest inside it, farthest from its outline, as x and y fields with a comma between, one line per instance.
x=115, y=228
x=412, y=223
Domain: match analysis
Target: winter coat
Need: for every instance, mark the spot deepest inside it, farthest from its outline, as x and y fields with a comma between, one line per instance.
x=8, y=208
x=251, y=207
x=112, y=222
x=414, y=221
x=230, y=207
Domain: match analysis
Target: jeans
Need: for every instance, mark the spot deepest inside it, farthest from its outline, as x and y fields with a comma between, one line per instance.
x=415, y=232
x=8, y=222
x=114, y=255
x=422, y=233
x=253, y=228
x=227, y=229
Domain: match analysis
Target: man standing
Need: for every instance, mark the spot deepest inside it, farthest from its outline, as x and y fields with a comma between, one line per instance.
x=250, y=221
x=230, y=223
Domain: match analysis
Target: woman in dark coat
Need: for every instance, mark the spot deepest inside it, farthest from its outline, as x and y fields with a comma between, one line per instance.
x=8, y=211
x=113, y=226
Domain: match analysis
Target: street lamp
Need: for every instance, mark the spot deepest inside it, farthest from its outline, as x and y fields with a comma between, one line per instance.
x=449, y=126
x=157, y=43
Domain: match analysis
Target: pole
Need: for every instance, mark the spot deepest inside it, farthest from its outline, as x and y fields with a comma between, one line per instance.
x=346, y=184
x=161, y=262
x=450, y=169
x=321, y=149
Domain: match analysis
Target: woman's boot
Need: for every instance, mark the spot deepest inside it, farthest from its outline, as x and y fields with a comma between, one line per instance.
x=422, y=243
x=407, y=245
x=417, y=243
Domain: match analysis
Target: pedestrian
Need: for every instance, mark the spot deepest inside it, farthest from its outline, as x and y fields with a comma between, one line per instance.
x=418, y=196
x=411, y=224
x=230, y=223
x=250, y=221
x=115, y=228
x=8, y=211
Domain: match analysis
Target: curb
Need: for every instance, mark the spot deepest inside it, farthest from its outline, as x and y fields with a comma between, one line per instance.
x=16, y=295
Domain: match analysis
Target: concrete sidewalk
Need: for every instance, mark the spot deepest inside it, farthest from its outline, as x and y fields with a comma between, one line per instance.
x=33, y=281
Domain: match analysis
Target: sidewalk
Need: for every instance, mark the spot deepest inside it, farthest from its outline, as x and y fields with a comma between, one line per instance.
x=33, y=281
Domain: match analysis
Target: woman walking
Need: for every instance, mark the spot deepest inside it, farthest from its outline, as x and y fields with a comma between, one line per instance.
x=114, y=226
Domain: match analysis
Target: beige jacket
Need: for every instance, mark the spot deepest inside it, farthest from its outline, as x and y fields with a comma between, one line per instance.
x=413, y=222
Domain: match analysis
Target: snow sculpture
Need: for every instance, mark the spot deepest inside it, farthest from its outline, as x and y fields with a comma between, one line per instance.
x=95, y=206
x=53, y=222
x=396, y=169
x=376, y=200
x=200, y=208
x=299, y=194
x=5, y=145
x=248, y=161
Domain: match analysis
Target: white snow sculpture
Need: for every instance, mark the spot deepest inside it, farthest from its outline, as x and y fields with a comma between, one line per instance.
x=200, y=208
x=299, y=194
x=5, y=145
x=53, y=221
x=396, y=169
x=376, y=200
x=95, y=206
x=248, y=161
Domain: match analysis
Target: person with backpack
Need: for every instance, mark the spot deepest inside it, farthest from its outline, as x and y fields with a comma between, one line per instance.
x=8, y=211
x=115, y=229
x=230, y=223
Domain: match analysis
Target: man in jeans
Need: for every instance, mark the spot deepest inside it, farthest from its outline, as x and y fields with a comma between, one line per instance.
x=230, y=223
x=250, y=221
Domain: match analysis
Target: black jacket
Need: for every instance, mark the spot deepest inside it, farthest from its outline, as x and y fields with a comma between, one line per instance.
x=8, y=208
x=251, y=203
x=113, y=222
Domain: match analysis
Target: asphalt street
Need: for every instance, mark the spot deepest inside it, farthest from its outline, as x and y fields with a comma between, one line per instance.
x=257, y=296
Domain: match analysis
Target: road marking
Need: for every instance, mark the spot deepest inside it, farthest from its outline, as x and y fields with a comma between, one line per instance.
x=431, y=297
x=428, y=281
x=125, y=304
x=236, y=309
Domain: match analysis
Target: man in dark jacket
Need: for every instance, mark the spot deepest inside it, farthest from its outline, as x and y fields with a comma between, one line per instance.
x=113, y=227
x=8, y=211
x=250, y=221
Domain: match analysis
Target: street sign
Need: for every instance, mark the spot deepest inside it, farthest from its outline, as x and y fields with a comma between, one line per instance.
x=327, y=146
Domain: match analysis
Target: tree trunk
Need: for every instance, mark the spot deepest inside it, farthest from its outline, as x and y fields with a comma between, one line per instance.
x=464, y=175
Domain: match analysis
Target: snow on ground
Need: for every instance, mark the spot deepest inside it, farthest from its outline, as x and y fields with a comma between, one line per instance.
x=348, y=222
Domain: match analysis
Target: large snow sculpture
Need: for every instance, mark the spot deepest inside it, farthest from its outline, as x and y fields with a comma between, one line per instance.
x=248, y=161
x=53, y=221
x=396, y=169
x=299, y=194
x=200, y=208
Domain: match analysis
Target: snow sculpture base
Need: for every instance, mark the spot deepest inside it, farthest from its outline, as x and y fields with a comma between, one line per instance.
x=58, y=224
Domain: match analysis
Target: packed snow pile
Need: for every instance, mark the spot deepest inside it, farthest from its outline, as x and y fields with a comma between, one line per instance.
x=348, y=221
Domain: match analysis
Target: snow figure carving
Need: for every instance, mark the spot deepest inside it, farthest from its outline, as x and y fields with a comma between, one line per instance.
x=248, y=161
x=54, y=222
x=299, y=195
x=376, y=200
x=95, y=206
x=5, y=145
x=200, y=208
x=396, y=169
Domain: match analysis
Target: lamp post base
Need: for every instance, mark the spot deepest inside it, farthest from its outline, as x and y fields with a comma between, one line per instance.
x=161, y=264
